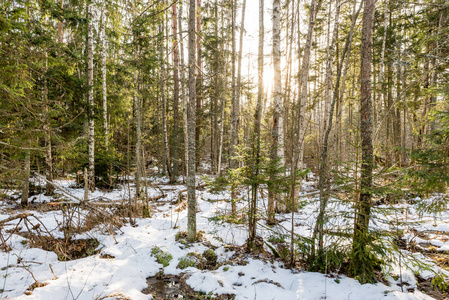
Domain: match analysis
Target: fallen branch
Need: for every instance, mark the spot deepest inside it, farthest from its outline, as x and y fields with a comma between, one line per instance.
x=155, y=198
x=19, y=216
x=103, y=204
x=98, y=204
x=58, y=187
x=380, y=174
x=216, y=200
x=160, y=190
x=317, y=192
x=185, y=190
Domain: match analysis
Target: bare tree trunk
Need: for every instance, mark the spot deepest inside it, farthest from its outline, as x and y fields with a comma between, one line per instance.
x=175, y=141
x=137, y=112
x=224, y=49
x=299, y=121
x=165, y=148
x=341, y=97
x=381, y=85
x=328, y=74
x=278, y=118
x=26, y=180
x=287, y=103
x=257, y=120
x=397, y=118
x=60, y=26
x=223, y=107
x=290, y=40
x=214, y=140
x=221, y=133
x=360, y=266
x=277, y=148
x=47, y=137
x=433, y=98
x=294, y=155
x=138, y=134
x=199, y=83
x=103, y=74
x=324, y=176
x=91, y=104
x=165, y=93
x=26, y=171
x=184, y=94
x=86, y=185
x=389, y=120
x=304, y=79
x=239, y=74
x=191, y=208
x=234, y=109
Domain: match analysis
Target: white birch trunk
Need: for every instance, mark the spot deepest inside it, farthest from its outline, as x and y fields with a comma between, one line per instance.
x=103, y=74
x=91, y=104
x=278, y=117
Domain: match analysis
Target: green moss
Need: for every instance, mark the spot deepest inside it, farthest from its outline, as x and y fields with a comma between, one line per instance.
x=210, y=257
x=185, y=262
x=192, y=259
x=162, y=257
x=180, y=235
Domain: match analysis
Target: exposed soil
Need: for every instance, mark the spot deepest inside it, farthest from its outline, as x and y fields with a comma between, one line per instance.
x=441, y=258
x=71, y=249
x=165, y=287
x=425, y=286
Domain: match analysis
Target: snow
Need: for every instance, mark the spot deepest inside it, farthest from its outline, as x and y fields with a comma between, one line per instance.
x=132, y=262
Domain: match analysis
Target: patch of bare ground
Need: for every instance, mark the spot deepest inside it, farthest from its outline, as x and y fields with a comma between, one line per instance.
x=426, y=287
x=441, y=258
x=71, y=249
x=165, y=287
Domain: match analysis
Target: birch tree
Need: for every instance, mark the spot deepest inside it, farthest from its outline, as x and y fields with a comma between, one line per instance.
x=103, y=74
x=278, y=117
x=277, y=148
x=91, y=104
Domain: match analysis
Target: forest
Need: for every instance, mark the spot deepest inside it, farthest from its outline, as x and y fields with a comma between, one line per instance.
x=224, y=149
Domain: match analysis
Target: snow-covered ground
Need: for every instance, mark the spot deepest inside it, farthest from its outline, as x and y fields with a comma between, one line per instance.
x=124, y=259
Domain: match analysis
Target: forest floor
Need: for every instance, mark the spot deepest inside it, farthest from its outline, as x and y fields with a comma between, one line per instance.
x=58, y=249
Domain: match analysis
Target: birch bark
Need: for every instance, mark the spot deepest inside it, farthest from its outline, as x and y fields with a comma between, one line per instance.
x=91, y=104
